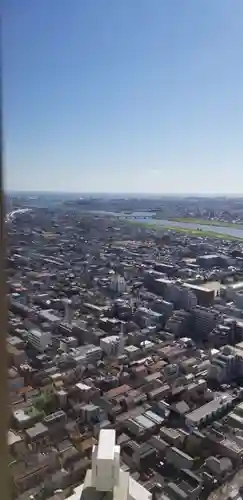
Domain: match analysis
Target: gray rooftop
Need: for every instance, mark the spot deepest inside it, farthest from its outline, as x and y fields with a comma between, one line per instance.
x=207, y=409
x=36, y=431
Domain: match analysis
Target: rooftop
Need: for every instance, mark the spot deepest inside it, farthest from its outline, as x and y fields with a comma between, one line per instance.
x=13, y=438
x=207, y=409
x=37, y=430
x=106, y=445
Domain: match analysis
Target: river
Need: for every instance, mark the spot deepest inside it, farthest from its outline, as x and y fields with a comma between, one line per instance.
x=148, y=217
x=232, y=231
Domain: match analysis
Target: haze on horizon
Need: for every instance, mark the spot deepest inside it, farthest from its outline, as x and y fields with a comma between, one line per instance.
x=103, y=194
x=123, y=97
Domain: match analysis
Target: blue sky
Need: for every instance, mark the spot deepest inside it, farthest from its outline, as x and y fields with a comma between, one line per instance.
x=123, y=95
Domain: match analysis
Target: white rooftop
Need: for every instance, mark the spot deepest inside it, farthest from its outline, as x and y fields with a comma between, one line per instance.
x=106, y=445
x=13, y=438
x=20, y=415
x=82, y=387
x=106, y=478
x=111, y=339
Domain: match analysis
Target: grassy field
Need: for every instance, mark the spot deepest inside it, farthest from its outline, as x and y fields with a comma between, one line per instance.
x=191, y=232
x=204, y=222
x=203, y=233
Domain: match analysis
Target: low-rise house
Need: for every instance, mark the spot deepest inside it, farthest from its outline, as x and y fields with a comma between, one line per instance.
x=219, y=467
x=178, y=458
x=37, y=435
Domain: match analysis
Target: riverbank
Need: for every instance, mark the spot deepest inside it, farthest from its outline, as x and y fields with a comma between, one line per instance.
x=206, y=222
x=234, y=232
x=186, y=230
x=204, y=234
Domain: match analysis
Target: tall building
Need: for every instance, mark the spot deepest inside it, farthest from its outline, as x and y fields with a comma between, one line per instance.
x=226, y=364
x=110, y=345
x=68, y=313
x=121, y=341
x=204, y=320
x=38, y=339
x=106, y=479
x=118, y=284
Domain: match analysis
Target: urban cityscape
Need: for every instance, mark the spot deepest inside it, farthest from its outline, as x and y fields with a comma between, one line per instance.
x=125, y=347
x=122, y=250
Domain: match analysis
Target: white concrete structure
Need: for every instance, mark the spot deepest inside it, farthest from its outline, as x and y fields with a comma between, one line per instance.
x=118, y=284
x=39, y=340
x=121, y=342
x=227, y=364
x=68, y=312
x=112, y=345
x=106, y=476
x=84, y=354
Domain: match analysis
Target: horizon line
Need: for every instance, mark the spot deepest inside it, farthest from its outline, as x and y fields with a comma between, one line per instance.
x=122, y=193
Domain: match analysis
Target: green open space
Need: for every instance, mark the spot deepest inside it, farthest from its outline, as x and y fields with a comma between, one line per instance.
x=205, y=222
x=203, y=233
x=186, y=230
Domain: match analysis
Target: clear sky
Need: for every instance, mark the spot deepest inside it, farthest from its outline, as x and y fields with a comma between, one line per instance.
x=123, y=95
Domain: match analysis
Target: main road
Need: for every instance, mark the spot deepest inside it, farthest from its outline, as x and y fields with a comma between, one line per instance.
x=11, y=215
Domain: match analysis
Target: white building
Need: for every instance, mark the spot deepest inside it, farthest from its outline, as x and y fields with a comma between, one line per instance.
x=38, y=339
x=85, y=354
x=113, y=345
x=226, y=364
x=68, y=312
x=118, y=284
x=106, y=476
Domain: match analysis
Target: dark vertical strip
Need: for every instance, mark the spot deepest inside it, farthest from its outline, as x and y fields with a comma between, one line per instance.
x=4, y=477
